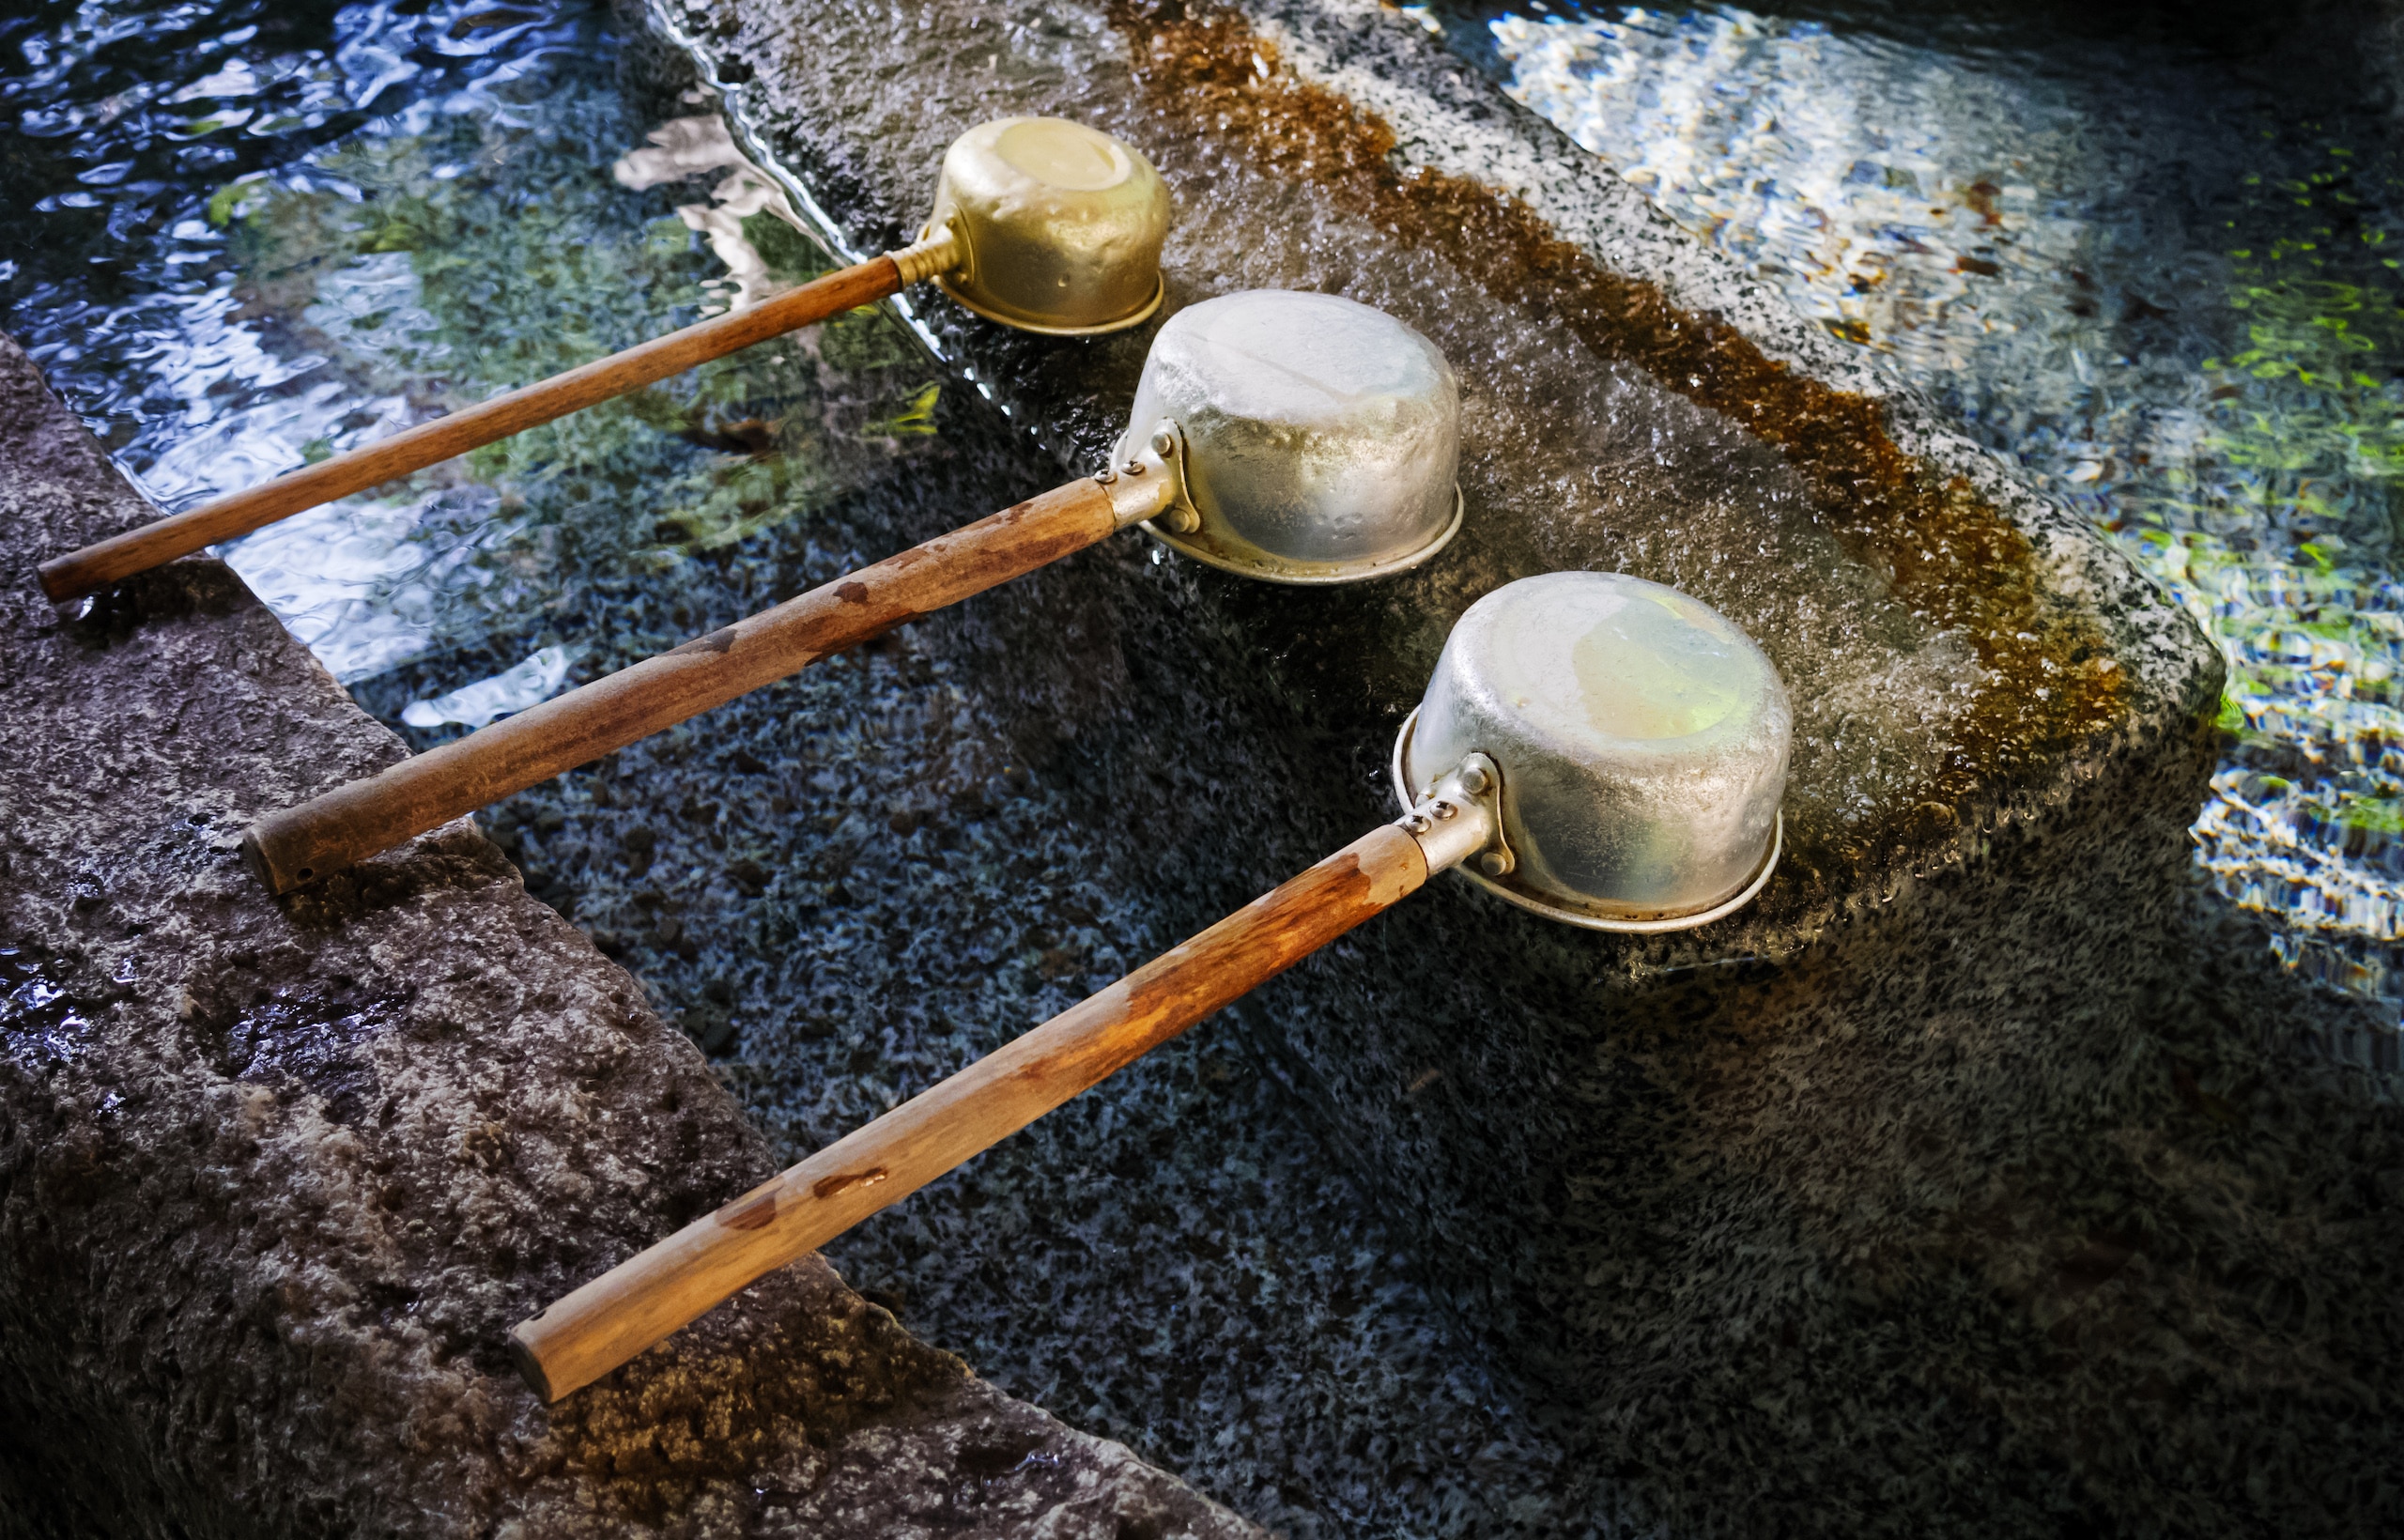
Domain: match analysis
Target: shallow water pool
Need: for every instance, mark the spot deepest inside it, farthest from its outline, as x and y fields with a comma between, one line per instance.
x=270, y=233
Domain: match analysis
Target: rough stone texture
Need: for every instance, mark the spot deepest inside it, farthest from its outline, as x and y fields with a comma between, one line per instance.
x=274, y=1179
x=1964, y=1186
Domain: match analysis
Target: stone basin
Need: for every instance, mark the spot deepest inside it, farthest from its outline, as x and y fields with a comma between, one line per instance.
x=274, y=1179
x=1882, y=1205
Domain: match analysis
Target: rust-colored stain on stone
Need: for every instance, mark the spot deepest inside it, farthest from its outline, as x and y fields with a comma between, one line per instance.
x=1957, y=560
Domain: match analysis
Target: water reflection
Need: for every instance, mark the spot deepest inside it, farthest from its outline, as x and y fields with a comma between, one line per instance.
x=513, y=689
x=2136, y=270
x=401, y=215
x=694, y=146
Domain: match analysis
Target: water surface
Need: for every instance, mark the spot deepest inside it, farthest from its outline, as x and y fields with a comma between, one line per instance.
x=266, y=235
x=2153, y=255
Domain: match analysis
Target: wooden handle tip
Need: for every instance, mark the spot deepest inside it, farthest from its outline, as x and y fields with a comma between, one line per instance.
x=529, y=1365
x=268, y=870
x=57, y=578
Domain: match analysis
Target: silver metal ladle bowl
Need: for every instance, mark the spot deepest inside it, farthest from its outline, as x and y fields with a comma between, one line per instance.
x=1641, y=741
x=1596, y=747
x=1321, y=437
x=1317, y=445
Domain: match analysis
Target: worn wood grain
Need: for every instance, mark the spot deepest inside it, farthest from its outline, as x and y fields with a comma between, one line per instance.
x=330, y=832
x=645, y=1298
x=99, y=564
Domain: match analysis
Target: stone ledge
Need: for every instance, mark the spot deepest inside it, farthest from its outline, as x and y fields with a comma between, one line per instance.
x=274, y=1180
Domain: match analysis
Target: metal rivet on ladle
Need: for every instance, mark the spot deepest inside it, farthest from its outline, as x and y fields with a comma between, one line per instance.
x=1565, y=682
x=1181, y=519
x=1039, y=224
x=1365, y=408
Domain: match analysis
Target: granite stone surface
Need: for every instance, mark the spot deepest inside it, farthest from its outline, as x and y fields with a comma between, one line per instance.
x=276, y=1177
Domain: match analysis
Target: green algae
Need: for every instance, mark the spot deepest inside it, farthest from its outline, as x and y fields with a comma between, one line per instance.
x=2279, y=533
x=523, y=258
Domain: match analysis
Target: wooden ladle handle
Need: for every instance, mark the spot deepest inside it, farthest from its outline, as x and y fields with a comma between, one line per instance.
x=651, y=1295
x=98, y=565
x=350, y=822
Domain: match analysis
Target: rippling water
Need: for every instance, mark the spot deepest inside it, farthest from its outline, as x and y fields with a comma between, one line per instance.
x=258, y=235
x=2159, y=272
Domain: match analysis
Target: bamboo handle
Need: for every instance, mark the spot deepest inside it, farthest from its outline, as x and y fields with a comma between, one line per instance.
x=643, y=1300
x=413, y=449
x=350, y=822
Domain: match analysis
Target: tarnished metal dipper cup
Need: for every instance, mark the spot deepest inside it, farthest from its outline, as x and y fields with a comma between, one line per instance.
x=1649, y=737
x=1341, y=386
x=1053, y=227
x=1323, y=436
x=1039, y=224
x=1576, y=712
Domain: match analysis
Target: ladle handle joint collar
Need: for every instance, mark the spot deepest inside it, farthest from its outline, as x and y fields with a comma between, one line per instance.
x=939, y=252
x=643, y=1300
x=1152, y=484
x=1461, y=818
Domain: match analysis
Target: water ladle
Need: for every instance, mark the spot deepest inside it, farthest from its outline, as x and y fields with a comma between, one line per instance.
x=1294, y=438
x=1595, y=748
x=1039, y=222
